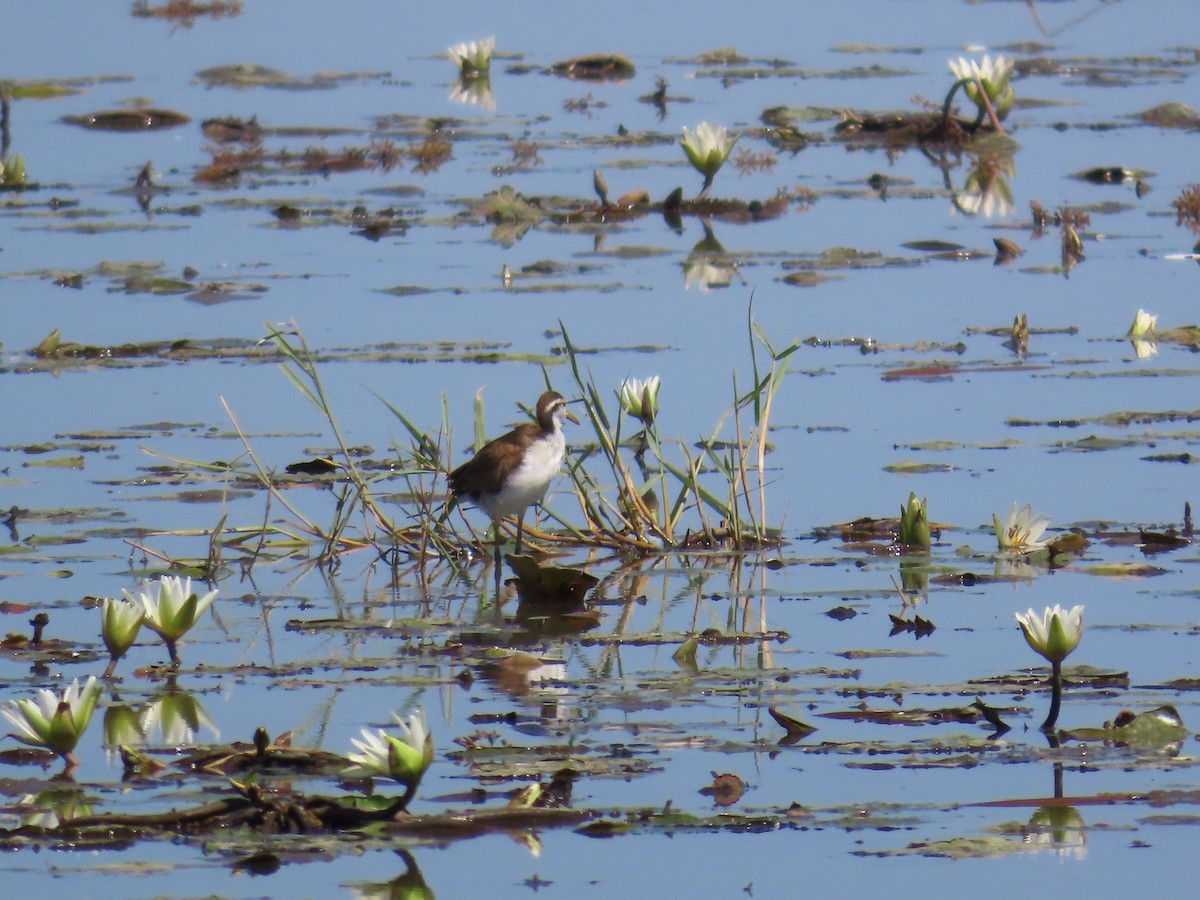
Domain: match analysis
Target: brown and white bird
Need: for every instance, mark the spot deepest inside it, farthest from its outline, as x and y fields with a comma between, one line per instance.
x=512, y=472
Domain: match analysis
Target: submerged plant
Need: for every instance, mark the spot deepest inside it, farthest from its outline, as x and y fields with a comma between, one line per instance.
x=1021, y=531
x=996, y=98
x=53, y=722
x=1053, y=635
x=120, y=622
x=473, y=58
x=172, y=608
x=914, y=523
x=707, y=148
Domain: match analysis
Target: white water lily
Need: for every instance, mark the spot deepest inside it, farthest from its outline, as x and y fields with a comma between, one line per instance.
x=707, y=148
x=994, y=75
x=473, y=57
x=172, y=608
x=1055, y=633
x=54, y=722
x=120, y=622
x=1021, y=531
x=640, y=398
x=1143, y=323
x=404, y=759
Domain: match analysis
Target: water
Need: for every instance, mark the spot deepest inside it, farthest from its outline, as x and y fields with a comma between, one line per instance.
x=837, y=423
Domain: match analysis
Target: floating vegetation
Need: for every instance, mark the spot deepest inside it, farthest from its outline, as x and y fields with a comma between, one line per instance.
x=185, y=12
x=129, y=120
x=597, y=67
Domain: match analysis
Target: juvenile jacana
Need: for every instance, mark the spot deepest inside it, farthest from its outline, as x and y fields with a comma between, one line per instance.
x=512, y=472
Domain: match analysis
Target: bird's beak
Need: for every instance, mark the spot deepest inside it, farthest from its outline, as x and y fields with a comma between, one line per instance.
x=571, y=416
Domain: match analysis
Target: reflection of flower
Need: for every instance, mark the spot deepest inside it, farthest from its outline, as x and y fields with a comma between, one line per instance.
x=12, y=170
x=1058, y=828
x=1055, y=633
x=1143, y=323
x=120, y=622
x=52, y=808
x=409, y=886
x=707, y=148
x=1021, y=531
x=986, y=191
x=122, y=725
x=1144, y=349
x=172, y=608
x=476, y=91
x=984, y=198
x=640, y=398
x=474, y=57
x=178, y=718
x=705, y=274
x=54, y=722
x=914, y=523
x=404, y=759
x=995, y=76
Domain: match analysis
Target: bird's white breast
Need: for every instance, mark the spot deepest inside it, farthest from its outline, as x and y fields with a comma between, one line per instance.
x=527, y=483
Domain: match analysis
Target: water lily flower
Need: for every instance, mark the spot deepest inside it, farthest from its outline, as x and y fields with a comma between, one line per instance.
x=1021, y=531
x=473, y=58
x=1055, y=633
x=54, y=722
x=120, y=622
x=914, y=523
x=707, y=148
x=172, y=608
x=1143, y=323
x=993, y=74
x=640, y=398
x=404, y=759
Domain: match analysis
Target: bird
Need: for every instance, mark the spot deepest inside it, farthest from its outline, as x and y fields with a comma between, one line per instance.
x=511, y=473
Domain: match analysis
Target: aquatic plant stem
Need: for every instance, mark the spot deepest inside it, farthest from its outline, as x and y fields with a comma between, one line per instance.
x=1055, y=696
x=991, y=110
x=987, y=105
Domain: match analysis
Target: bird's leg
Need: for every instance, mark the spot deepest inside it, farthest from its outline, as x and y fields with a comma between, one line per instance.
x=496, y=531
x=520, y=525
